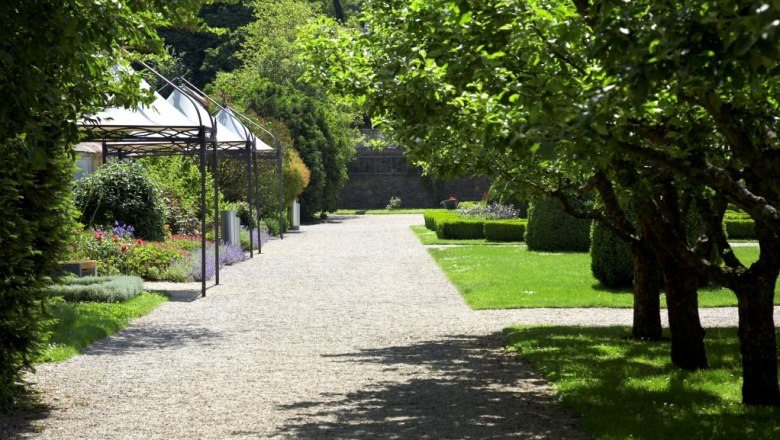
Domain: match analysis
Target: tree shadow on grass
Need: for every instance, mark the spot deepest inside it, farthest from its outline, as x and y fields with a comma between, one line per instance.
x=627, y=388
x=455, y=387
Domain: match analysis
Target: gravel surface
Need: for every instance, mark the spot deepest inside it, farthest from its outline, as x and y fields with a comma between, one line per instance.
x=343, y=330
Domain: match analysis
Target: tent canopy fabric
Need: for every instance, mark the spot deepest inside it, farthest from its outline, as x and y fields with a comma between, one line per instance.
x=227, y=119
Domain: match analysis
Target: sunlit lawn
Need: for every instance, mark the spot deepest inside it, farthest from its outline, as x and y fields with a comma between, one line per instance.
x=77, y=325
x=627, y=389
x=497, y=277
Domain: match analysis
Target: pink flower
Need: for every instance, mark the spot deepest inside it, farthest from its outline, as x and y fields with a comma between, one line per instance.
x=116, y=238
x=124, y=247
x=139, y=242
x=452, y=198
x=99, y=235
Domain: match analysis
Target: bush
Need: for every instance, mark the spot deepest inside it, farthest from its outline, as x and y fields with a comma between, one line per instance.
x=458, y=229
x=610, y=256
x=552, y=230
x=394, y=203
x=116, y=288
x=432, y=216
x=493, y=211
x=34, y=228
x=505, y=230
x=122, y=191
x=744, y=229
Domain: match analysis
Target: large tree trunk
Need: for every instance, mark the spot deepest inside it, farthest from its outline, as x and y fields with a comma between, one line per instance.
x=681, y=286
x=755, y=297
x=647, y=310
x=757, y=342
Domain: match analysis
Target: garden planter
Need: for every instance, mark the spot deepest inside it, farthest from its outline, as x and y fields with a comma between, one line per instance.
x=450, y=204
x=81, y=268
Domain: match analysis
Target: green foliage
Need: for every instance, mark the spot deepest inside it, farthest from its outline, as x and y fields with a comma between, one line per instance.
x=460, y=229
x=152, y=259
x=117, y=288
x=610, y=258
x=432, y=216
x=124, y=192
x=552, y=230
x=505, y=230
x=740, y=229
x=320, y=126
x=178, y=180
x=58, y=60
x=74, y=326
x=623, y=388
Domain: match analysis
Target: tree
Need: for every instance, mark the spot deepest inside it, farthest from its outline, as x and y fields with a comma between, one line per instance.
x=548, y=93
x=58, y=61
x=321, y=126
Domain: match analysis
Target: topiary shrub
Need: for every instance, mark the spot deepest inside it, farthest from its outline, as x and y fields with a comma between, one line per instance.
x=116, y=288
x=122, y=191
x=432, y=216
x=505, y=230
x=457, y=229
x=552, y=230
x=740, y=229
x=610, y=258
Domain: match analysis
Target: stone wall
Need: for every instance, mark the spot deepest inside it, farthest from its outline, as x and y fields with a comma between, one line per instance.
x=376, y=176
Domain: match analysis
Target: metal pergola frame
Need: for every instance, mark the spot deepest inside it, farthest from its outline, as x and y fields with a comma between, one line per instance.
x=190, y=135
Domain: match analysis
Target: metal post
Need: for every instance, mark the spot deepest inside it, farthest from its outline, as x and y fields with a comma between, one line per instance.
x=216, y=216
x=249, y=199
x=281, y=194
x=257, y=197
x=105, y=152
x=203, y=211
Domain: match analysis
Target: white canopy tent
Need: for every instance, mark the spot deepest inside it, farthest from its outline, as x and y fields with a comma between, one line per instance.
x=177, y=125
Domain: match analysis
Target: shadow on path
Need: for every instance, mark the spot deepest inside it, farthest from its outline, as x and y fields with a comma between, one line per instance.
x=470, y=390
x=135, y=339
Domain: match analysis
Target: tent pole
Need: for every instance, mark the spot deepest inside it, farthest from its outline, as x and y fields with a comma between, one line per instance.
x=281, y=194
x=203, y=211
x=216, y=215
x=257, y=202
x=249, y=199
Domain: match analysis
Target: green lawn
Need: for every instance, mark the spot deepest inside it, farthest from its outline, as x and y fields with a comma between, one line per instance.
x=77, y=325
x=495, y=277
x=627, y=389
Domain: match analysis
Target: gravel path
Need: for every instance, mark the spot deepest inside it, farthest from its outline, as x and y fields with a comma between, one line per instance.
x=344, y=330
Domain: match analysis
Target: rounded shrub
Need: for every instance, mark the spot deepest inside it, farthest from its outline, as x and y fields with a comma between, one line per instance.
x=123, y=192
x=610, y=258
x=550, y=229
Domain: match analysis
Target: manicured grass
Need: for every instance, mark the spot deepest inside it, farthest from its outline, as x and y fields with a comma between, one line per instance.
x=77, y=325
x=627, y=389
x=495, y=277
x=377, y=211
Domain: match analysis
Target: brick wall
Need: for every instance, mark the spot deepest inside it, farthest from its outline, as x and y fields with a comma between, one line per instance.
x=376, y=176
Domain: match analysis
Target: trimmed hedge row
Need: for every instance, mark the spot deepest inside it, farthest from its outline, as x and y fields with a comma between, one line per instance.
x=433, y=216
x=116, y=288
x=740, y=229
x=460, y=229
x=505, y=230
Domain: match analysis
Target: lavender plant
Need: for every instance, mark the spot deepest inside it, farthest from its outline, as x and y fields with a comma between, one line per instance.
x=494, y=211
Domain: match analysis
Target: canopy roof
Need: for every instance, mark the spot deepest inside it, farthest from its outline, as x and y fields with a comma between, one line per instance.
x=226, y=118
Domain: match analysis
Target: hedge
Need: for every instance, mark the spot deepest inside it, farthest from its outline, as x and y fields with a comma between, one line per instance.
x=740, y=228
x=505, y=230
x=610, y=258
x=432, y=216
x=550, y=229
x=460, y=229
x=116, y=288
